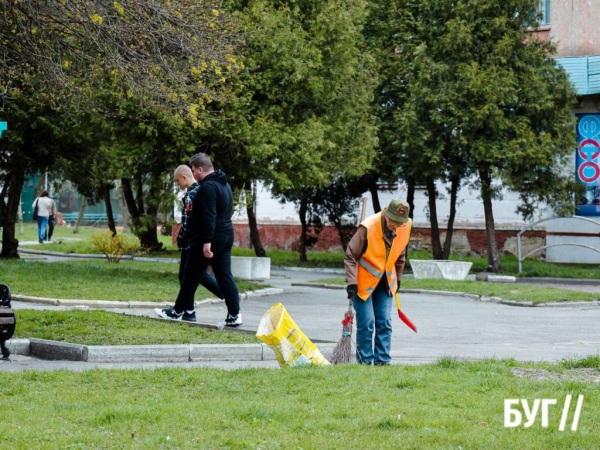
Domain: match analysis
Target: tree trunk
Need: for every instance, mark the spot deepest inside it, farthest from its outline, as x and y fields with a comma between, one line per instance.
x=259, y=250
x=20, y=217
x=436, y=246
x=39, y=188
x=3, y=194
x=374, y=195
x=109, y=210
x=139, y=197
x=486, y=195
x=145, y=232
x=130, y=202
x=148, y=233
x=410, y=197
x=250, y=195
x=345, y=233
x=450, y=229
x=10, y=245
x=80, y=215
x=303, y=236
x=124, y=210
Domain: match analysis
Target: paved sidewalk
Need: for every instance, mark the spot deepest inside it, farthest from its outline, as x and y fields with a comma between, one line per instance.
x=19, y=363
x=448, y=326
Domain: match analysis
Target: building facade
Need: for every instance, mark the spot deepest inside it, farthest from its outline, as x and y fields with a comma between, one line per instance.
x=572, y=26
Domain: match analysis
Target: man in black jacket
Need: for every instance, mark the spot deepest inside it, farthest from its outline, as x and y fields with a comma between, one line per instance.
x=211, y=240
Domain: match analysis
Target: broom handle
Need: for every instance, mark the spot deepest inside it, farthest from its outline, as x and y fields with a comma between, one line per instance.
x=363, y=212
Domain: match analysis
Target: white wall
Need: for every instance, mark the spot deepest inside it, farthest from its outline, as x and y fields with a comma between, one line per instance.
x=469, y=210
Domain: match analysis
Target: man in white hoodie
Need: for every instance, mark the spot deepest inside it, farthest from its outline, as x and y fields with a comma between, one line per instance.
x=46, y=209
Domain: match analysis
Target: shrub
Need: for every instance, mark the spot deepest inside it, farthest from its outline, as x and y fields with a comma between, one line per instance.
x=114, y=247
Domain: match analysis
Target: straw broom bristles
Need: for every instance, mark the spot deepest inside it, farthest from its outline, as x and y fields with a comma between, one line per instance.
x=343, y=352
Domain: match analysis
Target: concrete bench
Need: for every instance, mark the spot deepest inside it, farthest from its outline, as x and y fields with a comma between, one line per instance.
x=251, y=268
x=432, y=268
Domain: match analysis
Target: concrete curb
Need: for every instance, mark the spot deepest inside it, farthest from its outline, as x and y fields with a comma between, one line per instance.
x=31, y=251
x=476, y=297
x=108, y=304
x=56, y=350
x=210, y=326
x=549, y=280
x=309, y=269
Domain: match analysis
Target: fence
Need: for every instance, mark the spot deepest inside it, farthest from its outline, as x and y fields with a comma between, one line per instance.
x=94, y=220
x=522, y=258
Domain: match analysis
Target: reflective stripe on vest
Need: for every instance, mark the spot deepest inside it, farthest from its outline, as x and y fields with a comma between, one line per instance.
x=374, y=263
x=370, y=269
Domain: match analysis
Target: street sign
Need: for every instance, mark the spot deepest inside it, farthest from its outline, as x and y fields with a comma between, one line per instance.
x=3, y=126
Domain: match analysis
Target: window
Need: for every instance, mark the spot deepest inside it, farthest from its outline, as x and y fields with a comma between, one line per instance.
x=544, y=9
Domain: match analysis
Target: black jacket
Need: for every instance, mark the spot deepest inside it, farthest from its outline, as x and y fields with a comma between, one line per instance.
x=212, y=208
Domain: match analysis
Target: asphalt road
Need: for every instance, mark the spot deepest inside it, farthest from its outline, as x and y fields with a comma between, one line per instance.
x=448, y=326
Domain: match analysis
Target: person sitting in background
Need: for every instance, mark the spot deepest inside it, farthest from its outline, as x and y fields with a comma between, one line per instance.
x=46, y=208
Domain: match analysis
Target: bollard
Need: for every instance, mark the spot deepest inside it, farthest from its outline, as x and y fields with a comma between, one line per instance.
x=8, y=320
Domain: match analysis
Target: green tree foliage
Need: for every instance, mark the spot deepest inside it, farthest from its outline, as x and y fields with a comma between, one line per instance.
x=473, y=93
x=303, y=115
x=175, y=53
x=339, y=203
x=64, y=60
x=30, y=145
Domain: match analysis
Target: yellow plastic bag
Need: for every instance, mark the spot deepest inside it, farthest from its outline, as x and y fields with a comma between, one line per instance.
x=291, y=346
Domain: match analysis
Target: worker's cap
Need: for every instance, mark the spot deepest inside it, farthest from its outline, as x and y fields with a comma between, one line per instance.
x=398, y=210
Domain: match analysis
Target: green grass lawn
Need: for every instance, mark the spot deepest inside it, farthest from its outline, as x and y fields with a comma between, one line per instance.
x=531, y=267
x=448, y=405
x=106, y=328
x=30, y=232
x=99, y=280
x=523, y=292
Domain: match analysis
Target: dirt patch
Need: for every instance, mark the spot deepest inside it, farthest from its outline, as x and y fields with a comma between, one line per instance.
x=579, y=375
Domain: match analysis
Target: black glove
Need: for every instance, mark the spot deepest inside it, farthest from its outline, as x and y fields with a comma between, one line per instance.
x=352, y=290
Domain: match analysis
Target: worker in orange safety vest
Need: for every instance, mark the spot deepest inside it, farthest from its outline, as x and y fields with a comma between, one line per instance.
x=374, y=261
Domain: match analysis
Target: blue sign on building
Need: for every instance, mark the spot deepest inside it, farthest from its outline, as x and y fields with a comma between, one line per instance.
x=587, y=163
x=3, y=127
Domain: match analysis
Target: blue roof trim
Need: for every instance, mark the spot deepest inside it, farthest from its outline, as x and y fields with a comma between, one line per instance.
x=584, y=72
x=594, y=74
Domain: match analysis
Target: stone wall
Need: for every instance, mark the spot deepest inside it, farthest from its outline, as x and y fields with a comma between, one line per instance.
x=465, y=242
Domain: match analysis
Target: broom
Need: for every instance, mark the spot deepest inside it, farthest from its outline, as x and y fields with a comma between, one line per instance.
x=343, y=352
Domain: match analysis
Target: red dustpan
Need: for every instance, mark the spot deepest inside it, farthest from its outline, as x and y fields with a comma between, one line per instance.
x=403, y=317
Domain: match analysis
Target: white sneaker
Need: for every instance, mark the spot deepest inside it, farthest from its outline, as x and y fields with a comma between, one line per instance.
x=168, y=313
x=231, y=321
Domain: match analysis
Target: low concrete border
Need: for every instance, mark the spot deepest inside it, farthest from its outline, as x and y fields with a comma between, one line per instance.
x=56, y=350
x=310, y=269
x=108, y=304
x=477, y=297
x=243, y=267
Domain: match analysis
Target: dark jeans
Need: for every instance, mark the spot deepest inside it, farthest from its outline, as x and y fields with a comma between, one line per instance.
x=195, y=268
x=207, y=280
x=51, y=220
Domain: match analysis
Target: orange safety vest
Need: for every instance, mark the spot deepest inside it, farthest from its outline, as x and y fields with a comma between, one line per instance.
x=374, y=263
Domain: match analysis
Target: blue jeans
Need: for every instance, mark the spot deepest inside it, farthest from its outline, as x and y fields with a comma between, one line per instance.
x=42, y=223
x=374, y=314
